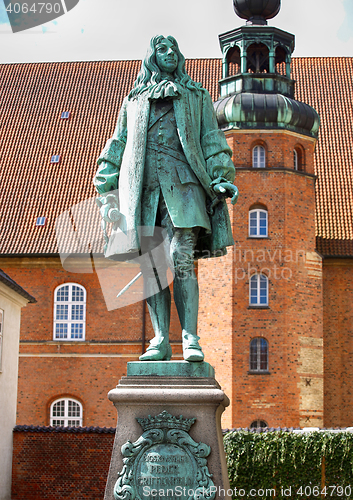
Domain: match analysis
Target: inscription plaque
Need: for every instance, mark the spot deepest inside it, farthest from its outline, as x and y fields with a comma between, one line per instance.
x=165, y=462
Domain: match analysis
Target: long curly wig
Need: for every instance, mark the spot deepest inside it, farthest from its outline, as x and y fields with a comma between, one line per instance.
x=150, y=73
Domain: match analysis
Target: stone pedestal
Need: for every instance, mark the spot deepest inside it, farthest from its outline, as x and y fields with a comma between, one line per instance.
x=179, y=388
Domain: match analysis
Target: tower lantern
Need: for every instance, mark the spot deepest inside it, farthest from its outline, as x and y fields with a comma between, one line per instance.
x=256, y=89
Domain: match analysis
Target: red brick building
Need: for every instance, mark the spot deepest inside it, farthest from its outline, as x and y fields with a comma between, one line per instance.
x=276, y=314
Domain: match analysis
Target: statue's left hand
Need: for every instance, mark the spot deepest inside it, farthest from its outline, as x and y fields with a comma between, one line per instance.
x=228, y=190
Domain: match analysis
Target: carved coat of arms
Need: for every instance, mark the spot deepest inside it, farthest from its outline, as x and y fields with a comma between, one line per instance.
x=165, y=462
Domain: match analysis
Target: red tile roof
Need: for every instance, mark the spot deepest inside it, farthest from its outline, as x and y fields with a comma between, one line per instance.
x=326, y=83
x=33, y=97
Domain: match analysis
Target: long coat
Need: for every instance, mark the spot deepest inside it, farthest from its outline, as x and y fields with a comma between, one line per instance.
x=121, y=166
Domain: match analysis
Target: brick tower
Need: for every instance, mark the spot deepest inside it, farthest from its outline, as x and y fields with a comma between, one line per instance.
x=264, y=318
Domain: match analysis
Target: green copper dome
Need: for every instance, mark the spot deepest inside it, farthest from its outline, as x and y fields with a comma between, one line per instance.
x=266, y=111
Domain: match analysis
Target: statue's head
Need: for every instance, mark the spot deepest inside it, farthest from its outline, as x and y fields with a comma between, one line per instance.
x=160, y=50
x=163, y=59
x=167, y=55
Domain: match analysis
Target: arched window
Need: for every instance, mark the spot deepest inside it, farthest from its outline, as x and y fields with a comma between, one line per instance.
x=258, y=424
x=259, y=157
x=69, y=312
x=258, y=290
x=258, y=223
x=257, y=58
x=298, y=159
x=259, y=355
x=233, y=61
x=66, y=413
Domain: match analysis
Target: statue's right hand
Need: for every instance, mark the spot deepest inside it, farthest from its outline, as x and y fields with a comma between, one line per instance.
x=108, y=208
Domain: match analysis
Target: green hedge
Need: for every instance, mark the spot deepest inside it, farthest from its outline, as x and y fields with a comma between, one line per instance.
x=296, y=465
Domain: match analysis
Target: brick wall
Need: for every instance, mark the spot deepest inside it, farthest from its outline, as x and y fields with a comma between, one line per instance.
x=85, y=371
x=338, y=341
x=278, y=144
x=61, y=463
x=291, y=394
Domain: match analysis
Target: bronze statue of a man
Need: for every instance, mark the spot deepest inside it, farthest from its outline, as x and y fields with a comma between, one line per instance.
x=172, y=168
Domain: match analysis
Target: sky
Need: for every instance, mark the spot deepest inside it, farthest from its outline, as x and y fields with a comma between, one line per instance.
x=121, y=29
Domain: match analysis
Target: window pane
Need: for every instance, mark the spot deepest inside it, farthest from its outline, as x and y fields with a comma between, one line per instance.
x=63, y=294
x=253, y=290
x=253, y=355
x=255, y=156
x=77, y=294
x=59, y=409
x=59, y=423
x=73, y=423
x=259, y=157
x=262, y=157
x=263, y=299
x=77, y=312
x=263, y=223
x=62, y=311
x=257, y=424
x=253, y=224
x=77, y=330
x=69, y=312
x=263, y=289
x=263, y=355
x=258, y=223
x=73, y=409
x=66, y=412
x=61, y=331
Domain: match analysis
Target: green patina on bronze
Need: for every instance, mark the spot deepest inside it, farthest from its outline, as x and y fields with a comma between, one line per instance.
x=165, y=462
x=172, y=168
x=166, y=369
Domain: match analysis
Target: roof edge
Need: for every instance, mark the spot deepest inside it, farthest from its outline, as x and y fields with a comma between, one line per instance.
x=4, y=278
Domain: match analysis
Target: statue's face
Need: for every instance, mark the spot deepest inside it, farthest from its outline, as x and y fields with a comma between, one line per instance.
x=166, y=56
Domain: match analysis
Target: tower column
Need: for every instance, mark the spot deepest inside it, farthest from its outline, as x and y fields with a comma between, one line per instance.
x=225, y=71
x=288, y=61
x=272, y=61
x=243, y=59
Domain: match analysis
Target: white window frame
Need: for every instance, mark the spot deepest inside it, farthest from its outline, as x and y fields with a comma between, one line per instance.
x=295, y=159
x=66, y=420
x=1, y=336
x=258, y=212
x=258, y=425
x=41, y=221
x=69, y=321
x=257, y=342
x=259, y=157
x=55, y=159
x=257, y=278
